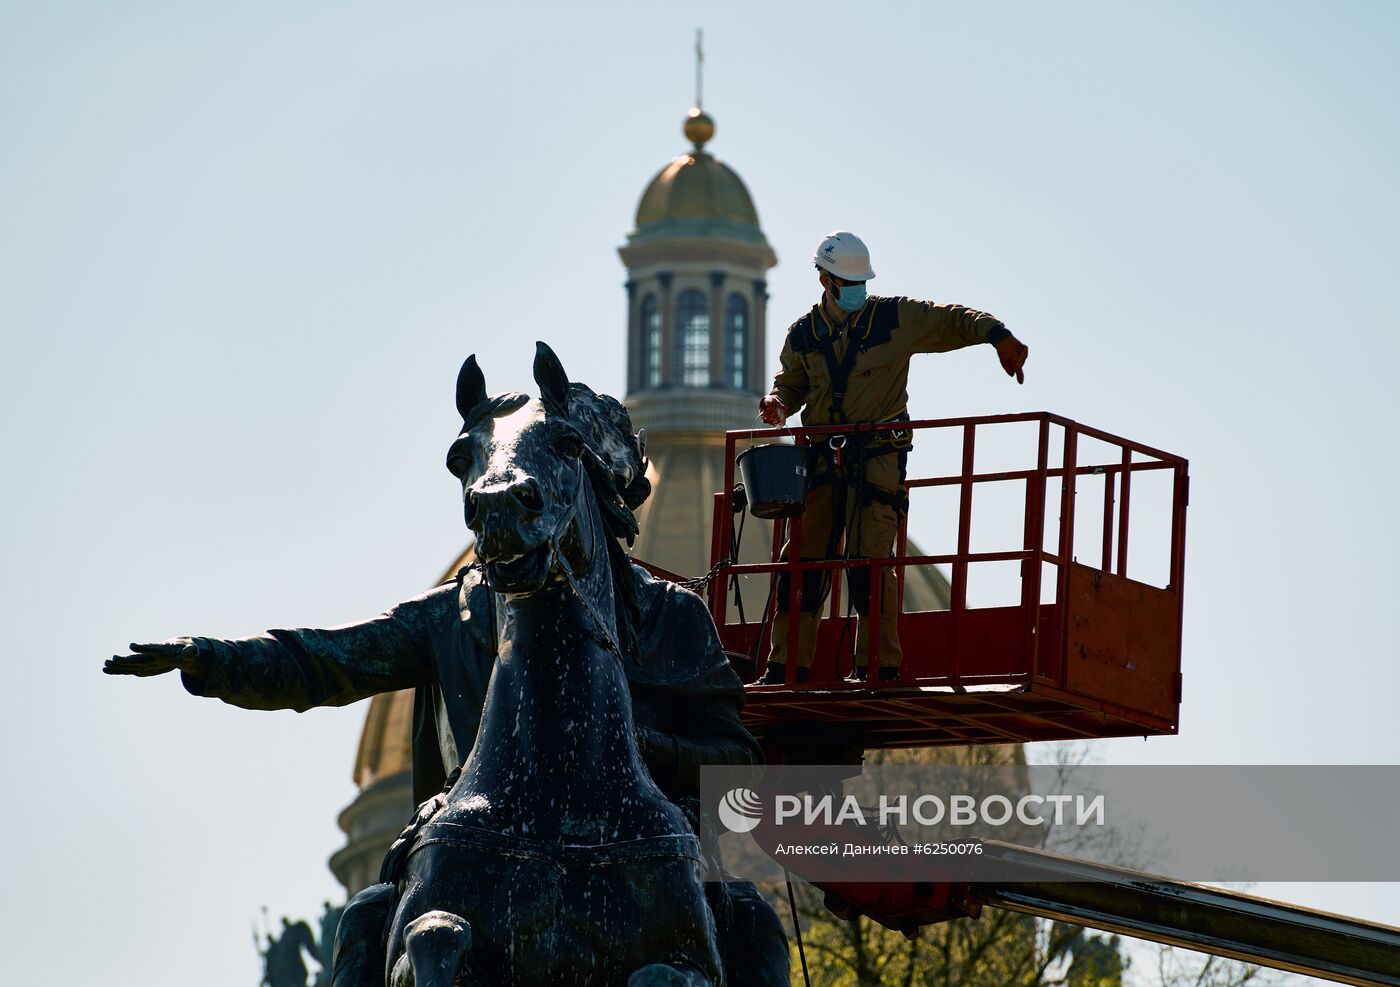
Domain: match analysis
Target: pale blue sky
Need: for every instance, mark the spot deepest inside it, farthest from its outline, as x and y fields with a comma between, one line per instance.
x=244, y=247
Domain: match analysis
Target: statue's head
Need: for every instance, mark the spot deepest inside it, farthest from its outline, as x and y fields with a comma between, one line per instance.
x=529, y=467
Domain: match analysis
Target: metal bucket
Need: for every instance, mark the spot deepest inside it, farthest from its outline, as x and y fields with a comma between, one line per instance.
x=775, y=480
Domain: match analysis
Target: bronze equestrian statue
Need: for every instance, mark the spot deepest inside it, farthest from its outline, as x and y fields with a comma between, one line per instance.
x=552, y=857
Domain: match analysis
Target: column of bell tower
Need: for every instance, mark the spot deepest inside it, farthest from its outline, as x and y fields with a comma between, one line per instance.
x=697, y=263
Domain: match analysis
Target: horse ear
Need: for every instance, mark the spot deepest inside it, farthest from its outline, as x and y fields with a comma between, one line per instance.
x=471, y=387
x=553, y=381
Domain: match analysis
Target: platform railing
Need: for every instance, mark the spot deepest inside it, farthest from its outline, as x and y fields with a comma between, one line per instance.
x=1048, y=662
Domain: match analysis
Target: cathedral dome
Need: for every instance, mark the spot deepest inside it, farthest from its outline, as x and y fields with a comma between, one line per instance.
x=696, y=186
x=696, y=194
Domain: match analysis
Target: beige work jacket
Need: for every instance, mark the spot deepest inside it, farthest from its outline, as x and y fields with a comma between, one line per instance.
x=886, y=332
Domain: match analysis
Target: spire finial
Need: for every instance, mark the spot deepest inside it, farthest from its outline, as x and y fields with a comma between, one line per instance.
x=700, y=68
x=699, y=127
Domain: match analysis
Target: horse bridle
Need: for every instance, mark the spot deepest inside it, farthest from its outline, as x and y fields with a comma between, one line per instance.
x=560, y=529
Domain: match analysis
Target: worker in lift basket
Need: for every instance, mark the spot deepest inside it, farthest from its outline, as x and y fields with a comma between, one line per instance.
x=847, y=361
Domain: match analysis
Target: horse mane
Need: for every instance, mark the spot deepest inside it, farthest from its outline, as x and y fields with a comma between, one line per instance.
x=609, y=427
x=617, y=469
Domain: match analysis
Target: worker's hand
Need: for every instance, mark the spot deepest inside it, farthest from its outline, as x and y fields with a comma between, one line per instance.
x=157, y=659
x=1012, y=353
x=771, y=410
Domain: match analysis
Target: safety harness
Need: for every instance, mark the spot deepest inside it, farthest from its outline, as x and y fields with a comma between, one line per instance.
x=847, y=454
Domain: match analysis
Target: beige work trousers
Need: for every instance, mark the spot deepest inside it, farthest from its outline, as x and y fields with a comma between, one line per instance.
x=870, y=530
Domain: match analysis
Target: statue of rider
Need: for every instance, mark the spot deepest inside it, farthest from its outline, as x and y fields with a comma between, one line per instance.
x=686, y=701
x=283, y=965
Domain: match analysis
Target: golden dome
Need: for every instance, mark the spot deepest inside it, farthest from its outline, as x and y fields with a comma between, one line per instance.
x=695, y=186
x=386, y=743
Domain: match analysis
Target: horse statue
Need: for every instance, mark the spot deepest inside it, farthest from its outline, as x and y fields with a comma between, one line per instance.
x=553, y=858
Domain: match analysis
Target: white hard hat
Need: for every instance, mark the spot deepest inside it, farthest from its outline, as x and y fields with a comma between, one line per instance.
x=845, y=255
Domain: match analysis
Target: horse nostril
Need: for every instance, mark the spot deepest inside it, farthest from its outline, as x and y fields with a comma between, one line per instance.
x=473, y=506
x=528, y=493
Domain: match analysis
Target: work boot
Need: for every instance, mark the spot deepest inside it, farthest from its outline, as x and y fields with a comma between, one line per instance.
x=777, y=674
x=886, y=673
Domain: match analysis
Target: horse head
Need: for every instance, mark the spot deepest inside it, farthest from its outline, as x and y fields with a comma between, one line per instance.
x=539, y=475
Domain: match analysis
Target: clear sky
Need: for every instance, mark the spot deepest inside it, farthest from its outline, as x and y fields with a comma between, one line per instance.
x=244, y=248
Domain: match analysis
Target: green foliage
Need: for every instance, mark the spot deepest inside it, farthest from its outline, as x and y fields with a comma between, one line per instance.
x=1000, y=949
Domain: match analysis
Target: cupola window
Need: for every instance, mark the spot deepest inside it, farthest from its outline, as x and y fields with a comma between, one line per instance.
x=693, y=338
x=736, y=341
x=651, y=343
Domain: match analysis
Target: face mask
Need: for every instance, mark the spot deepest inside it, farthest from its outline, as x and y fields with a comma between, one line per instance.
x=850, y=297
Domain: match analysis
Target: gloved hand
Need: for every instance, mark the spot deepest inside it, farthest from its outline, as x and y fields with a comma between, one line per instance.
x=771, y=410
x=1012, y=353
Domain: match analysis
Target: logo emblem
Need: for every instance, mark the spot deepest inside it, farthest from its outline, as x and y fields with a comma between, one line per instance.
x=740, y=810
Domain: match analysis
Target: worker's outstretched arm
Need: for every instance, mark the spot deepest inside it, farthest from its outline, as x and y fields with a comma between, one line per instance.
x=930, y=327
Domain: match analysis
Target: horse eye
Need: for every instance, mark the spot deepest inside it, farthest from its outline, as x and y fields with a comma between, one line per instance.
x=463, y=456
x=568, y=444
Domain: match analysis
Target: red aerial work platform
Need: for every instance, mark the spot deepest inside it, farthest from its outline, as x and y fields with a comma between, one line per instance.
x=1087, y=651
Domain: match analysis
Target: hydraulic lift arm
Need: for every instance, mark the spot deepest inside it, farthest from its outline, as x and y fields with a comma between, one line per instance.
x=1226, y=923
x=1114, y=899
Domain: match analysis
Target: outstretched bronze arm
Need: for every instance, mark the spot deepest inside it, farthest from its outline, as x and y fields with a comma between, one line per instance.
x=304, y=668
